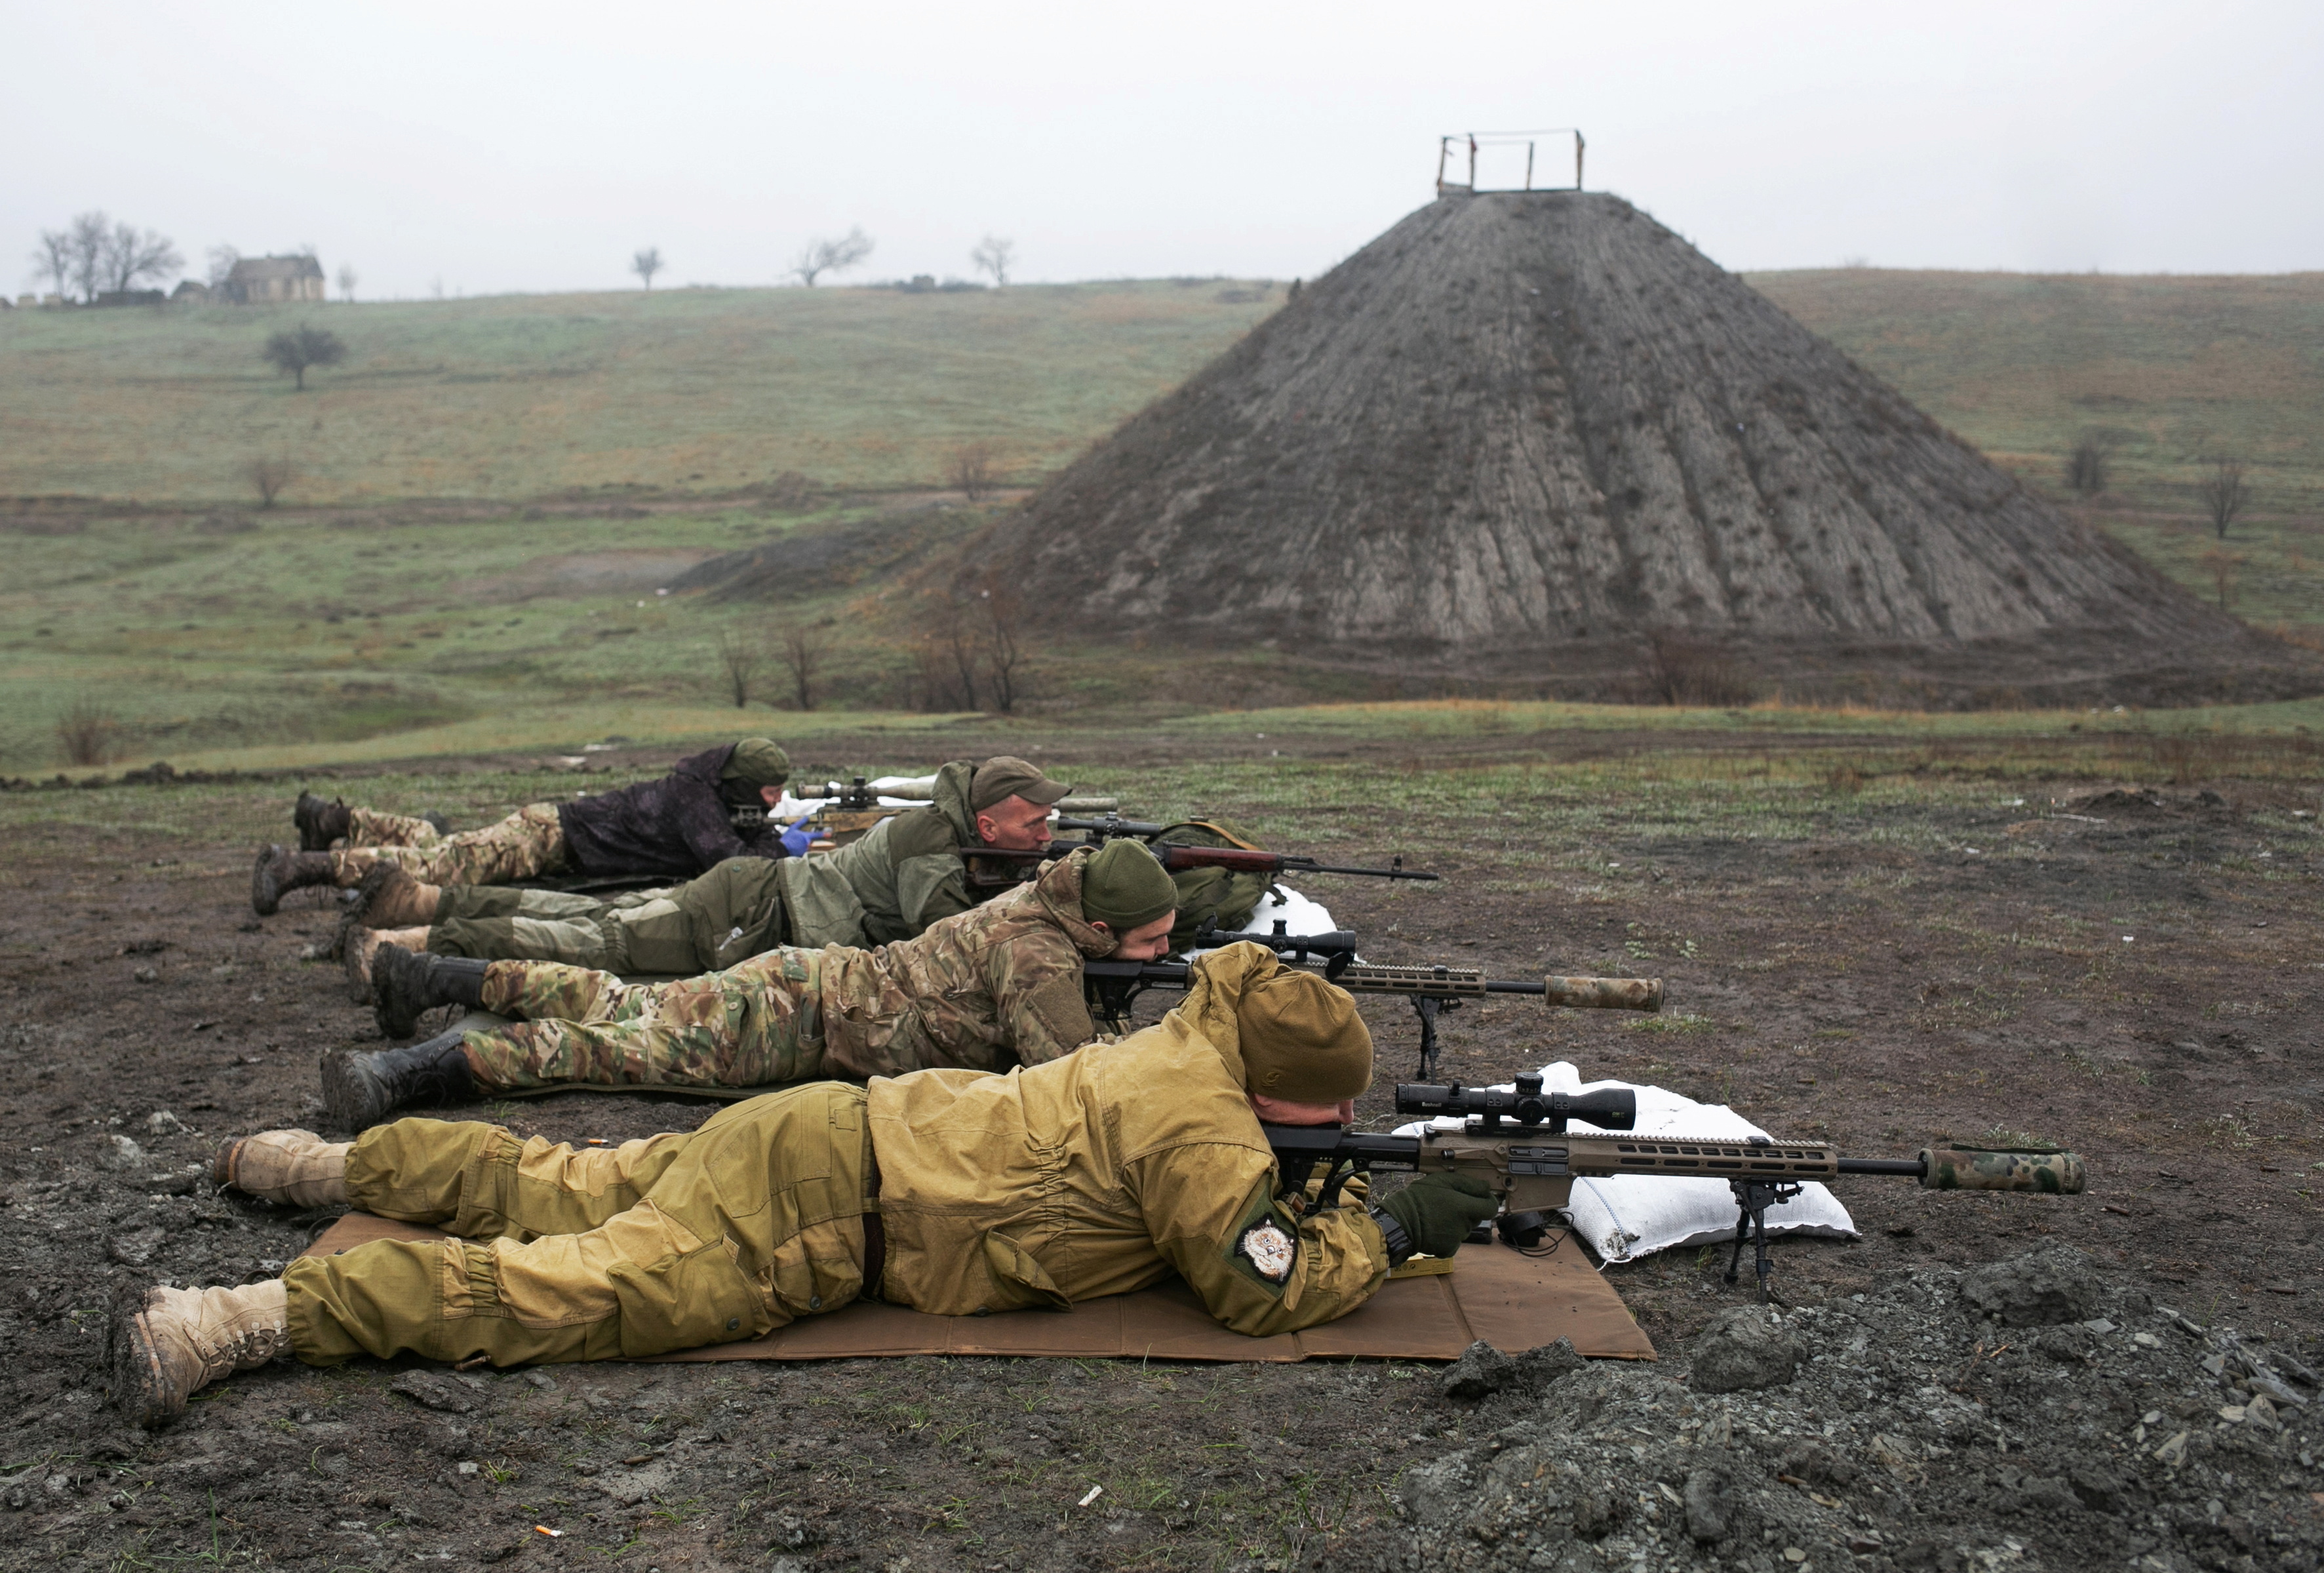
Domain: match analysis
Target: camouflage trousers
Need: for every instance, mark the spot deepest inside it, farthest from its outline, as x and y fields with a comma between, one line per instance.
x=727, y=1232
x=751, y=1025
x=528, y=843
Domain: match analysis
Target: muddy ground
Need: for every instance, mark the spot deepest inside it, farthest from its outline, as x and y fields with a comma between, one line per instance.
x=1895, y=972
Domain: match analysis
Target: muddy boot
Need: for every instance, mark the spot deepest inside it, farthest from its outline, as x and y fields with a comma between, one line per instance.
x=360, y=1089
x=386, y=897
x=404, y=982
x=320, y=823
x=280, y=871
x=296, y=1167
x=165, y=1345
x=359, y=950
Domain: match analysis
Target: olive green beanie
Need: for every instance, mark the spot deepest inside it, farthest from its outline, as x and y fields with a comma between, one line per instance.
x=1125, y=886
x=1302, y=1039
x=757, y=762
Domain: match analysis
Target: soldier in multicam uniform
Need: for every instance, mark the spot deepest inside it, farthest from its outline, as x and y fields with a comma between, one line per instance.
x=672, y=829
x=891, y=885
x=949, y=1191
x=997, y=985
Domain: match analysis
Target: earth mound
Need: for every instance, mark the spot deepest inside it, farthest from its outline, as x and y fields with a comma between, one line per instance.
x=1519, y=433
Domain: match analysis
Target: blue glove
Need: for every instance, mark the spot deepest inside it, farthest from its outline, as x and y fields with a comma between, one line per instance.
x=796, y=839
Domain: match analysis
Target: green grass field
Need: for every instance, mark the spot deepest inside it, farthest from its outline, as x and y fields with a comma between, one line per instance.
x=594, y=447
x=2025, y=365
x=528, y=396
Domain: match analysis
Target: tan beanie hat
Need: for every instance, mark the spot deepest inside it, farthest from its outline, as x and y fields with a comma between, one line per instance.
x=1302, y=1039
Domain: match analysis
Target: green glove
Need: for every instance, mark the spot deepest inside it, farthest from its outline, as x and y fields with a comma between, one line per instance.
x=1437, y=1211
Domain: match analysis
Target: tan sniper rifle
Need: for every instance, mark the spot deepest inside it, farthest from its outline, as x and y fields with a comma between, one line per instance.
x=1518, y=1143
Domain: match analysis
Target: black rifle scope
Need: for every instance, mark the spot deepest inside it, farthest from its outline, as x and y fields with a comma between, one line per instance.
x=1613, y=1108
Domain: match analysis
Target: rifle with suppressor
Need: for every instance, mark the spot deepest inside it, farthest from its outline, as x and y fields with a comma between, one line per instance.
x=1113, y=986
x=1178, y=856
x=1518, y=1143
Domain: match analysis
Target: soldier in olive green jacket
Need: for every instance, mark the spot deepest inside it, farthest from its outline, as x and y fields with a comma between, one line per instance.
x=987, y=988
x=950, y=1191
x=891, y=885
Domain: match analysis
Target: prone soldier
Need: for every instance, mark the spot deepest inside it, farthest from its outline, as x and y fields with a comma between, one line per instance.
x=950, y=1191
x=672, y=829
x=998, y=984
x=884, y=887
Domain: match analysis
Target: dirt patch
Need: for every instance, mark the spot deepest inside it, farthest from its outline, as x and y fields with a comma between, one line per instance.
x=585, y=573
x=1900, y=971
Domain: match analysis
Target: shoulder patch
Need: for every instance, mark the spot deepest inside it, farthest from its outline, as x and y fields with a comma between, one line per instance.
x=1060, y=1009
x=1271, y=1250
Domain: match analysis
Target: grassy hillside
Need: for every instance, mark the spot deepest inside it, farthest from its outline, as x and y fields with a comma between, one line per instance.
x=2025, y=365
x=526, y=396
x=608, y=442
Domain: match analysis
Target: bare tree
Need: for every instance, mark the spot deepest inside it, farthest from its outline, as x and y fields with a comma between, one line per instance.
x=2086, y=467
x=994, y=254
x=740, y=657
x=126, y=258
x=831, y=256
x=86, y=733
x=2223, y=492
x=971, y=469
x=91, y=233
x=269, y=476
x=54, y=257
x=1003, y=605
x=647, y=264
x=801, y=651
x=304, y=347
x=222, y=261
x=348, y=279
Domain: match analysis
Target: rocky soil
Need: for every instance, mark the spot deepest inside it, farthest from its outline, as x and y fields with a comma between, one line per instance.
x=1890, y=973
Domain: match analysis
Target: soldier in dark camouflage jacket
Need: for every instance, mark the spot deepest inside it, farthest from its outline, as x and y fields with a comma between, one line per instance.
x=995, y=986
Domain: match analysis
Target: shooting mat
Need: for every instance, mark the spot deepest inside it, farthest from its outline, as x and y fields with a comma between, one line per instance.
x=1510, y=1300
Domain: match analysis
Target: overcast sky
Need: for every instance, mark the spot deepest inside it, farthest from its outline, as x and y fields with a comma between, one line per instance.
x=496, y=146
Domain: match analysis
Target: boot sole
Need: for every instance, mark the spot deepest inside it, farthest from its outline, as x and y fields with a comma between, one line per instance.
x=349, y=1096
x=140, y=1390
x=351, y=957
x=265, y=896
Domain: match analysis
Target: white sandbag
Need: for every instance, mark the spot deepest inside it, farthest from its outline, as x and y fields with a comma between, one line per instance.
x=1297, y=914
x=1625, y=1216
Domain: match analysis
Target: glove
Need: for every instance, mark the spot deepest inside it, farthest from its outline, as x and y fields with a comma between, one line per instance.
x=1436, y=1211
x=796, y=839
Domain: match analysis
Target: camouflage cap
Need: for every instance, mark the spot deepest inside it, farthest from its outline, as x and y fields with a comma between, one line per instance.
x=1005, y=775
x=1125, y=886
x=757, y=762
x=1302, y=1039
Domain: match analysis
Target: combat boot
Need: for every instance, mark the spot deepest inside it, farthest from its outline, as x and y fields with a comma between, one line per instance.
x=295, y=1167
x=386, y=897
x=280, y=871
x=404, y=982
x=359, y=949
x=320, y=823
x=167, y=1345
x=361, y=1089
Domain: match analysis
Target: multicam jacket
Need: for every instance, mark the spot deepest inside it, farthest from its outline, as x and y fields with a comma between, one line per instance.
x=1100, y=1172
x=997, y=984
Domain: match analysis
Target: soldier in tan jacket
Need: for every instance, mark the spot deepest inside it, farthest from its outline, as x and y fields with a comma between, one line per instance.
x=996, y=986
x=951, y=1191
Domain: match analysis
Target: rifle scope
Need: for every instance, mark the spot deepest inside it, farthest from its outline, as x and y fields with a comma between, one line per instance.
x=1612, y=1108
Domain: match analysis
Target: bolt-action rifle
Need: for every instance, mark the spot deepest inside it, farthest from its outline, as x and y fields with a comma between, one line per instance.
x=1113, y=986
x=839, y=797
x=1518, y=1143
x=1177, y=857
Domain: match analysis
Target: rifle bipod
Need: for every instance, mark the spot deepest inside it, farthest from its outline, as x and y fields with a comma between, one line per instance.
x=1753, y=1198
